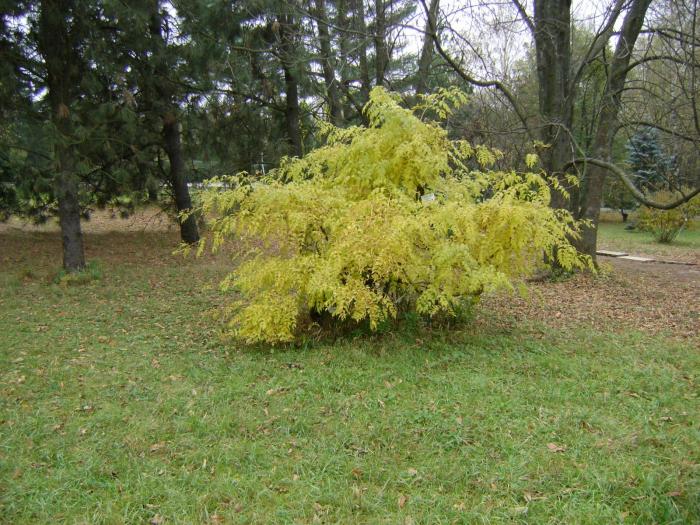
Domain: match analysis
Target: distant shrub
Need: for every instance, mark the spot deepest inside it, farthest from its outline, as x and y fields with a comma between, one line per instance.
x=665, y=225
x=382, y=220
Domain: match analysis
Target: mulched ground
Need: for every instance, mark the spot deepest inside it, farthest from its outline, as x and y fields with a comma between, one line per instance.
x=652, y=297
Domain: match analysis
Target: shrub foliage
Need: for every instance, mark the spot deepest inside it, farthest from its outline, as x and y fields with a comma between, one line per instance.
x=665, y=225
x=383, y=219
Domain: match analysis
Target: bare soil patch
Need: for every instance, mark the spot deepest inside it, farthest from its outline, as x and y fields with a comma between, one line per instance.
x=149, y=219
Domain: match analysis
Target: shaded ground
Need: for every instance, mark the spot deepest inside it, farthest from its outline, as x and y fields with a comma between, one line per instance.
x=652, y=297
x=151, y=219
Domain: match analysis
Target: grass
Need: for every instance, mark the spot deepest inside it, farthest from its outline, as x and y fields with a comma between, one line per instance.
x=612, y=235
x=120, y=405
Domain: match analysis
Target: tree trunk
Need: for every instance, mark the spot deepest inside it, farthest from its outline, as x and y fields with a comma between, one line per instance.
x=381, y=53
x=426, y=55
x=189, y=232
x=291, y=111
x=57, y=47
x=328, y=64
x=344, y=46
x=361, y=30
x=291, y=83
x=66, y=187
x=552, y=22
x=602, y=143
x=172, y=144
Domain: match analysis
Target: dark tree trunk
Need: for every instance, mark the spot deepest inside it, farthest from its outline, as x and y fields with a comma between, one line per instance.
x=291, y=111
x=57, y=47
x=291, y=83
x=552, y=22
x=152, y=192
x=344, y=45
x=167, y=108
x=381, y=52
x=69, y=218
x=426, y=55
x=608, y=117
x=173, y=147
x=361, y=30
x=328, y=64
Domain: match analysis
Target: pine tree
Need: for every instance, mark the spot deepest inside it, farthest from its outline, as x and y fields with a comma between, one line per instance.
x=648, y=161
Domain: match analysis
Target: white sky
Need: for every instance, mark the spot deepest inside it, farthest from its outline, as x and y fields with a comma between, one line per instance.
x=495, y=29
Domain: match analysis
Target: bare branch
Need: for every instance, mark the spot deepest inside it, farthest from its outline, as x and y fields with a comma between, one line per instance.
x=599, y=42
x=636, y=193
x=524, y=16
x=471, y=80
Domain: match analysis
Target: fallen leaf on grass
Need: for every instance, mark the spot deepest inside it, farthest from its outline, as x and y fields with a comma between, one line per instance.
x=273, y=391
x=157, y=446
x=402, y=500
x=533, y=496
x=674, y=494
x=157, y=520
x=553, y=447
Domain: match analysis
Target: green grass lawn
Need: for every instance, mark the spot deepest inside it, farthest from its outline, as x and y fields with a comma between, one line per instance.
x=120, y=405
x=612, y=235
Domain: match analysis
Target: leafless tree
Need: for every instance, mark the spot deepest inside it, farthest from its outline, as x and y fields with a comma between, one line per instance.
x=548, y=27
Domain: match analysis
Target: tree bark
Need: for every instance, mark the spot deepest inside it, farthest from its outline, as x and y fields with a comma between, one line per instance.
x=552, y=33
x=361, y=29
x=291, y=110
x=172, y=144
x=607, y=121
x=328, y=64
x=69, y=219
x=381, y=53
x=189, y=232
x=291, y=83
x=344, y=46
x=58, y=49
x=426, y=55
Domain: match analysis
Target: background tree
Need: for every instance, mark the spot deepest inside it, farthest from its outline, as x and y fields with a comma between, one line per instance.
x=559, y=75
x=66, y=131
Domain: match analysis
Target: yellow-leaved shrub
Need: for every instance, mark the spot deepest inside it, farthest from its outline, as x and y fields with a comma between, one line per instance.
x=383, y=219
x=666, y=225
